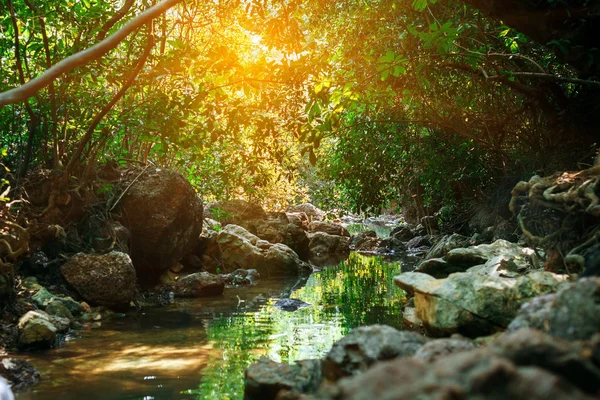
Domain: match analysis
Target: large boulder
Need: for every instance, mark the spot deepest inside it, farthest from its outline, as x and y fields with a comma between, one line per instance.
x=327, y=250
x=312, y=212
x=476, y=374
x=331, y=229
x=200, y=284
x=571, y=313
x=234, y=211
x=234, y=247
x=470, y=303
x=266, y=379
x=279, y=229
x=501, y=258
x=572, y=360
x=102, y=279
x=164, y=216
x=364, y=346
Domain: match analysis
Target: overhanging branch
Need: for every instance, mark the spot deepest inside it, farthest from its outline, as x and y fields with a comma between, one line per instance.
x=30, y=88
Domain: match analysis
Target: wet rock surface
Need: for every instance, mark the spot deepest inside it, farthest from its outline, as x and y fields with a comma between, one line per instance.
x=102, y=279
x=241, y=277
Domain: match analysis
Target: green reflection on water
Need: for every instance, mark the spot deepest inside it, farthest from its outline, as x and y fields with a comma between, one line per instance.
x=355, y=293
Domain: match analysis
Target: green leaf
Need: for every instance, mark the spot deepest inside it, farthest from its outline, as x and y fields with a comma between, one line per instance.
x=388, y=58
x=420, y=5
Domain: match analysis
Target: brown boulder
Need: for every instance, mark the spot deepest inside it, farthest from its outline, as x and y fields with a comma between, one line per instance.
x=164, y=215
x=102, y=279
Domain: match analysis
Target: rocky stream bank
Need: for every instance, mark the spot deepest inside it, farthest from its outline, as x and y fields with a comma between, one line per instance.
x=508, y=323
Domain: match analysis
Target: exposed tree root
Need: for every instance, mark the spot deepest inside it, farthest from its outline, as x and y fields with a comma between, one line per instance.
x=561, y=212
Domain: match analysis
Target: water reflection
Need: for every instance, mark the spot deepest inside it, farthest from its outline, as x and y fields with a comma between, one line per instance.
x=199, y=349
x=357, y=292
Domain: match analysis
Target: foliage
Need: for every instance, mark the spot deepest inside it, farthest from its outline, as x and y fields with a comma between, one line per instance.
x=352, y=103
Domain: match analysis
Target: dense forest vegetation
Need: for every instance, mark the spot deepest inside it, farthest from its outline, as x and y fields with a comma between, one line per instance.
x=353, y=104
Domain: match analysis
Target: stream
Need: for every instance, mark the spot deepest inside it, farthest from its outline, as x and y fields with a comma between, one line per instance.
x=199, y=348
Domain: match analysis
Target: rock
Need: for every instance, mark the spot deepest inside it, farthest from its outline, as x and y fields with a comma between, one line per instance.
x=240, y=277
x=365, y=241
x=36, y=330
x=58, y=309
x=410, y=319
x=265, y=379
x=470, y=303
x=42, y=297
x=477, y=374
x=281, y=260
x=164, y=216
x=403, y=233
x=439, y=348
x=280, y=230
x=326, y=250
x=20, y=373
x=102, y=279
x=234, y=211
x=572, y=313
x=393, y=244
x=408, y=281
x=200, y=284
x=570, y=360
x=418, y=242
x=313, y=213
x=447, y=243
x=290, y=304
x=501, y=259
x=364, y=346
x=477, y=255
x=369, y=244
x=237, y=248
x=299, y=219
x=331, y=229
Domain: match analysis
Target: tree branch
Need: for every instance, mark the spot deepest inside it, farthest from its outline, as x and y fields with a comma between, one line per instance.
x=121, y=12
x=85, y=56
x=114, y=100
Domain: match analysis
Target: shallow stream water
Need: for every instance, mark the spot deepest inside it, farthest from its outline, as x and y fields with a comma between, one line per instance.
x=199, y=349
